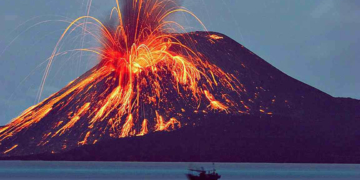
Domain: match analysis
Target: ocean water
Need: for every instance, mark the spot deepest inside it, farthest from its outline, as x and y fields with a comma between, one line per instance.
x=18, y=170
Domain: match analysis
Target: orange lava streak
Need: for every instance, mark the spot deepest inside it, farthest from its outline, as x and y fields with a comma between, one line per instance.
x=12, y=148
x=144, y=128
x=171, y=123
x=83, y=142
x=127, y=126
x=3, y=129
x=214, y=103
x=160, y=125
x=216, y=37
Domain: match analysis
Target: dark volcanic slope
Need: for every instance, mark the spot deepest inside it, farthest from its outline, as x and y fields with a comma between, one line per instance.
x=238, y=139
x=287, y=121
x=253, y=72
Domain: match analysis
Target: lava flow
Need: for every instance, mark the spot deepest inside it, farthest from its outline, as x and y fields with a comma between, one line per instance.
x=147, y=80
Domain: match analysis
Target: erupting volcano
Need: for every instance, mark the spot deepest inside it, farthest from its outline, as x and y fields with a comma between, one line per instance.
x=149, y=78
x=154, y=76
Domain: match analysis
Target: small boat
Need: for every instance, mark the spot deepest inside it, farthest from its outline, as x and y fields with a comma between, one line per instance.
x=201, y=174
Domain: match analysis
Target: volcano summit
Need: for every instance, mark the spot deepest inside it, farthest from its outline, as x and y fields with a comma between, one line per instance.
x=153, y=79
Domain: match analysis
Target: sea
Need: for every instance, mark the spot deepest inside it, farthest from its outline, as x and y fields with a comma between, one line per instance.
x=19, y=170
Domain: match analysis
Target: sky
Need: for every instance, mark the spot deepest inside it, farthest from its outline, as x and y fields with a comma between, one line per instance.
x=314, y=41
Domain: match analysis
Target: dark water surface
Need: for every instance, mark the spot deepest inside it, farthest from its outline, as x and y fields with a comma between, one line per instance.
x=158, y=171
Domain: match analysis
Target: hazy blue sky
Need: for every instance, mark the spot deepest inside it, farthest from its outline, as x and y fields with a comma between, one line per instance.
x=314, y=41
